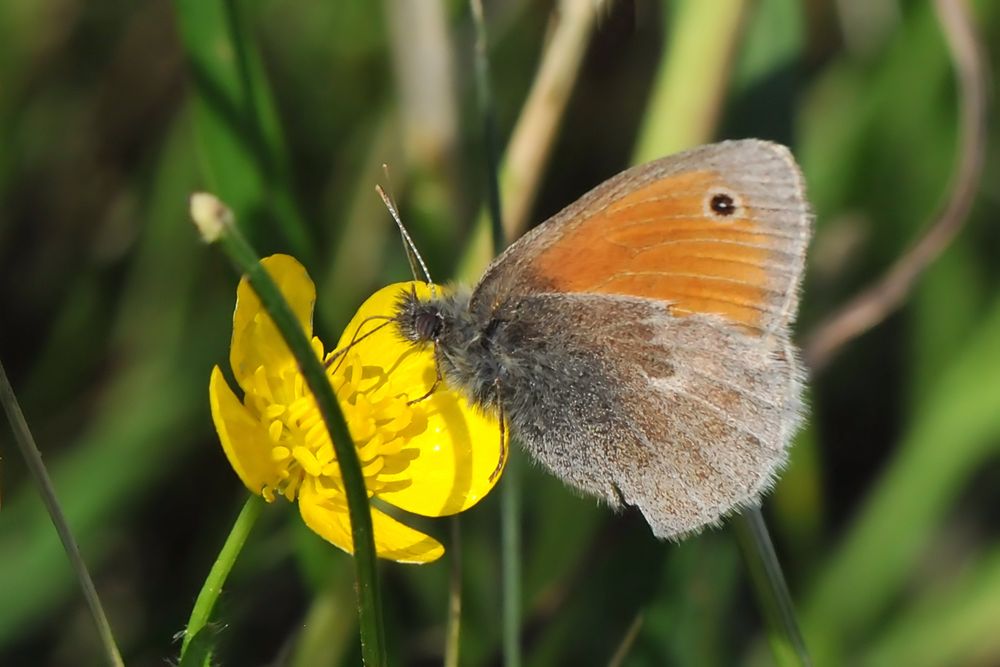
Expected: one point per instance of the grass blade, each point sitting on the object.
(33, 457)
(769, 584)
(239, 136)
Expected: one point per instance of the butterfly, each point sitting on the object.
(638, 343)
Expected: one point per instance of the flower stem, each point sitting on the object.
(216, 224)
(203, 605)
(453, 629)
(33, 457)
(772, 592)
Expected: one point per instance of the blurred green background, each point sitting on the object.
(112, 314)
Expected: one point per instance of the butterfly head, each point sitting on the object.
(419, 320)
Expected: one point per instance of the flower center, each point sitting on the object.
(300, 445)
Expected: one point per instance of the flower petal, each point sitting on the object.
(328, 518)
(383, 302)
(451, 452)
(256, 341)
(244, 439)
(456, 456)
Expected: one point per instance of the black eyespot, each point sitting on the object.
(723, 204)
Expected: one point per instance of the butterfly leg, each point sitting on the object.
(503, 434)
(437, 380)
(340, 355)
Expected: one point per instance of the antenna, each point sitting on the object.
(412, 253)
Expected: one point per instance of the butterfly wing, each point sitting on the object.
(645, 332)
(686, 418)
(720, 229)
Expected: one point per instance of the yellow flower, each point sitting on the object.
(433, 457)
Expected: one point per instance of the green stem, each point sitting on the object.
(510, 491)
(246, 261)
(33, 457)
(453, 630)
(203, 605)
(772, 592)
(510, 534)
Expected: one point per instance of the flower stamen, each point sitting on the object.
(307, 460)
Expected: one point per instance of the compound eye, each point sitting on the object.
(427, 325)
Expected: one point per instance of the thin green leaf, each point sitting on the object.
(240, 141)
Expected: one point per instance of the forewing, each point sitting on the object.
(720, 230)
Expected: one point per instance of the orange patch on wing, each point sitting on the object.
(661, 242)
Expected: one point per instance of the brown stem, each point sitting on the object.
(876, 302)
